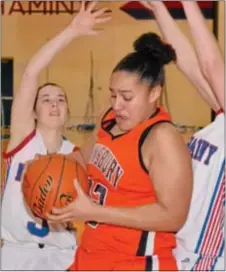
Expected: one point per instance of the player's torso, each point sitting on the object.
(203, 232)
(18, 224)
(118, 179)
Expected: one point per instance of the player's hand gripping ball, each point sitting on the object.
(49, 182)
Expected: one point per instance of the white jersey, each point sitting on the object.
(18, 225)
(200, 243)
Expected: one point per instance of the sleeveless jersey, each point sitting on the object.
(200, 243)
(18, 226)
(118, 178)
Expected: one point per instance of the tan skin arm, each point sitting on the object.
(170, 169)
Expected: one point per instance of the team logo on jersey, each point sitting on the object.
(202, 150)
(44, 190)
(106, 162)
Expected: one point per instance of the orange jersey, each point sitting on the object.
(118, 178)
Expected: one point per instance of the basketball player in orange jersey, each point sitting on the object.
(139, 172)
(38, 119)
(201, 245)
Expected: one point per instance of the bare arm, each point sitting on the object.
(208, 51)
(22, 121)
(171, 174)
(25, 97)
(187, 61)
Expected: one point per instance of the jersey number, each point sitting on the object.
(98, 192)
(40, 230)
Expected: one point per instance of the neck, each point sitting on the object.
(52, 138)
(152, 112)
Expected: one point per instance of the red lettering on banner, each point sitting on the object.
(3, 8)
(16, 7)
(34, 6)
(66, 7)
(39, 7)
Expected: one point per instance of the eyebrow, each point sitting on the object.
(47, 95)
(121, 91)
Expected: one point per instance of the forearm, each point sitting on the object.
(152, 217)
(44, 56)
(174, 36)
(208, 50)
(209, 54)
(187, 60)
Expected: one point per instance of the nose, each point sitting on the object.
(54, 103)
(117, 104)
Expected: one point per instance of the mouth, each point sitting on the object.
(120, 118)
(54, 114)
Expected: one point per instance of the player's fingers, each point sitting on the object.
(78, 188)
(66, 209)
(101, 12)
(58, 218)
(91, 6)
(103, 20)
(68, 220)
(82, 5)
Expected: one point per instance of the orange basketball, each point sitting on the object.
(49, 182)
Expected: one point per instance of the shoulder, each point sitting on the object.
(163, 140)
(15, 147)
(162, 134)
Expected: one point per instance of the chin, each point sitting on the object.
(124, 128)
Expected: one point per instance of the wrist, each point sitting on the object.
(97, 213)
(71, 32)
(157, 5)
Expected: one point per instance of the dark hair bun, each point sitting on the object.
(151, 45)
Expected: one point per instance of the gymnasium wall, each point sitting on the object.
(22, 36)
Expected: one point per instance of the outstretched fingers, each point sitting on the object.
(103, 20)
(91, 6)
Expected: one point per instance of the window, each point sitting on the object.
(6, 91)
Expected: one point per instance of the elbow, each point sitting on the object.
(172, 224)
(177, 225)
(29, 74)
(32, 70)
(177, 221)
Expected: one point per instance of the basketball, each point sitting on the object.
(49, 182)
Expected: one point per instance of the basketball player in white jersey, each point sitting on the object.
(201, 243)
(37, 122)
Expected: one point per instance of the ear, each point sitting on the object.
(155, 94)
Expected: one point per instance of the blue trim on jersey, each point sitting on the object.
(199, 244)
(220, 255)
(20, 171)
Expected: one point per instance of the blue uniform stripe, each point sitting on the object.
(201, 237)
